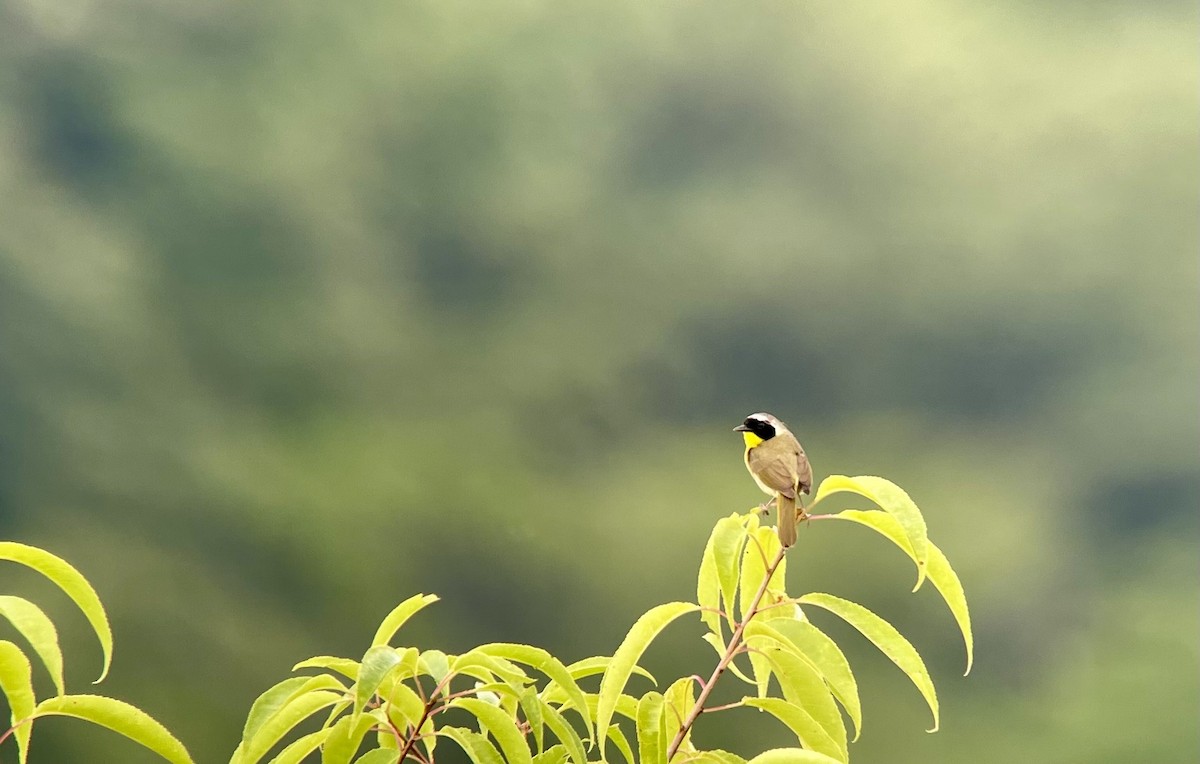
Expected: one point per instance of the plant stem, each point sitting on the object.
(395, 731)
(408, 745)
(13, 729)
(735, 645)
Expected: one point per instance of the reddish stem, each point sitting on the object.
(13, 729)
(735, 646)
(408, 745)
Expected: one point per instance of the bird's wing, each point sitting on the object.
(775, 470)
(803, 472)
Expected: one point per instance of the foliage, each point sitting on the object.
(527, 707)
(16, 671)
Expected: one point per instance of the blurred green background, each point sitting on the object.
(306, 307)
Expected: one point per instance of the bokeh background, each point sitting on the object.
(306, 307)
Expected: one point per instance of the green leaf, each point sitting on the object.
(598, 664)
(767, 539)
(761, 549)
(718, 577)
(807, 730)
(344, 666)
(618, 737)
(801, 682)
(886, 638)
(405, 709)
(772, 604)
(626, 705)
(545, 663)
(407, 669)
(435, 663)
(708, 588)
(828, 659)
(476, 746)
(791, 756)
(410, 659)
(346, 737)
(336, 710)
(269, 702)
(404, 699)
(497, 674)
(891, 499)
(386, 739)
(119, 717)
(532, 708)
(295, 752)
(379, 756)
(401, 613)
(754, 567)
(36, 627)
(429, 738)
(716, 756)
(803, 686)
(565, 733)
(377, 663)
(652, 729)
(502, 699)
(278, 724)
(16, 682)
(502, 727)
(276, 697)
(73, 583)
(643, 632)
(944, 579)
(678, 702)
(553, 755)
(760, 667)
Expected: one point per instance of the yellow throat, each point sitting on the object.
(751, 439)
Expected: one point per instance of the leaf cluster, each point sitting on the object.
(505, 703)
(16, 670)
(527, 705)
(517, 704)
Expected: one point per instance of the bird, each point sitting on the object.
(777, 462)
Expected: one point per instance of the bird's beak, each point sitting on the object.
(741, 428)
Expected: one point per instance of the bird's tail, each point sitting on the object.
(787, 519)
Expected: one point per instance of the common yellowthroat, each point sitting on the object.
(777, 462)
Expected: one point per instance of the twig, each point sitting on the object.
(416, 754)
(420, 688)
(454, 696)
(394, 729)
(735, 645)
(408, 745)
(13, 729)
